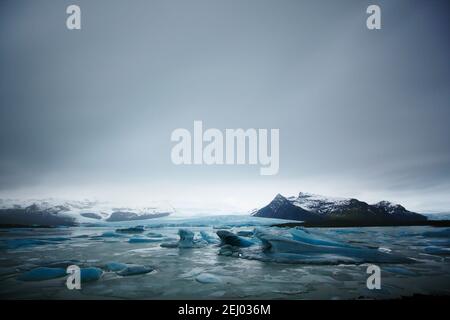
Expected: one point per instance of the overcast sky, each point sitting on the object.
(361, 113)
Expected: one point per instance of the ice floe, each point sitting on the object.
(300, 246)
(132, 270)
(90, 274)
(144, 240)
(208, 278)
(42, 273)
(114, 266)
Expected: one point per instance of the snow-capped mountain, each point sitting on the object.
(51, 212)
(315, 208)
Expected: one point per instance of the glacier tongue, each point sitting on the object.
(56, 212)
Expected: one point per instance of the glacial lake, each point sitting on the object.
(278, 263)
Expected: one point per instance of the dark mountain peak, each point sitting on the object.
(311, 207)
(283, 208)
(278, 202)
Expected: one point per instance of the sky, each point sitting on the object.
(362, 113)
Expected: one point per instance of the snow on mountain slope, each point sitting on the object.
(311, 207)
(317, 203)
(63, 212)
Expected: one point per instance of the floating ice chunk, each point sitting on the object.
(245, 233)
(143, 240)
(275, 245)
(305, 236)
(186, 241)
(42, 273)
(386, 250)
(208, 238)
(186, 238)
(136, 229)
(230, 238)
(115, 266)
(154, 235)
(218, 294)
(169, 245)
(227, 250)
(132, 270)
(90, 274)
(208, 278)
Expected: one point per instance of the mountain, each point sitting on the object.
(283, 208)
(51, 212)
(312, 208)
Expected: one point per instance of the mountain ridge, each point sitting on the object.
(312, 208)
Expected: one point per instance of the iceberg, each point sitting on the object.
(230, 238)
(169, 245)
(154, 235)
(132, 270)
(90, 274)
(208, 238)
(143, 240)
(245, 233)
(186, 238)
(114, 266)
(208, 278)
(309, 249)
(186, 241)
(303, 235)
(42, 273)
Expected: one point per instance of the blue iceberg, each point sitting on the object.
(230, 238)
(186, 241)
(312, 249)
(90, 274)
(132, 270)
(114, 266)
(42, 273)
(208, 238)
